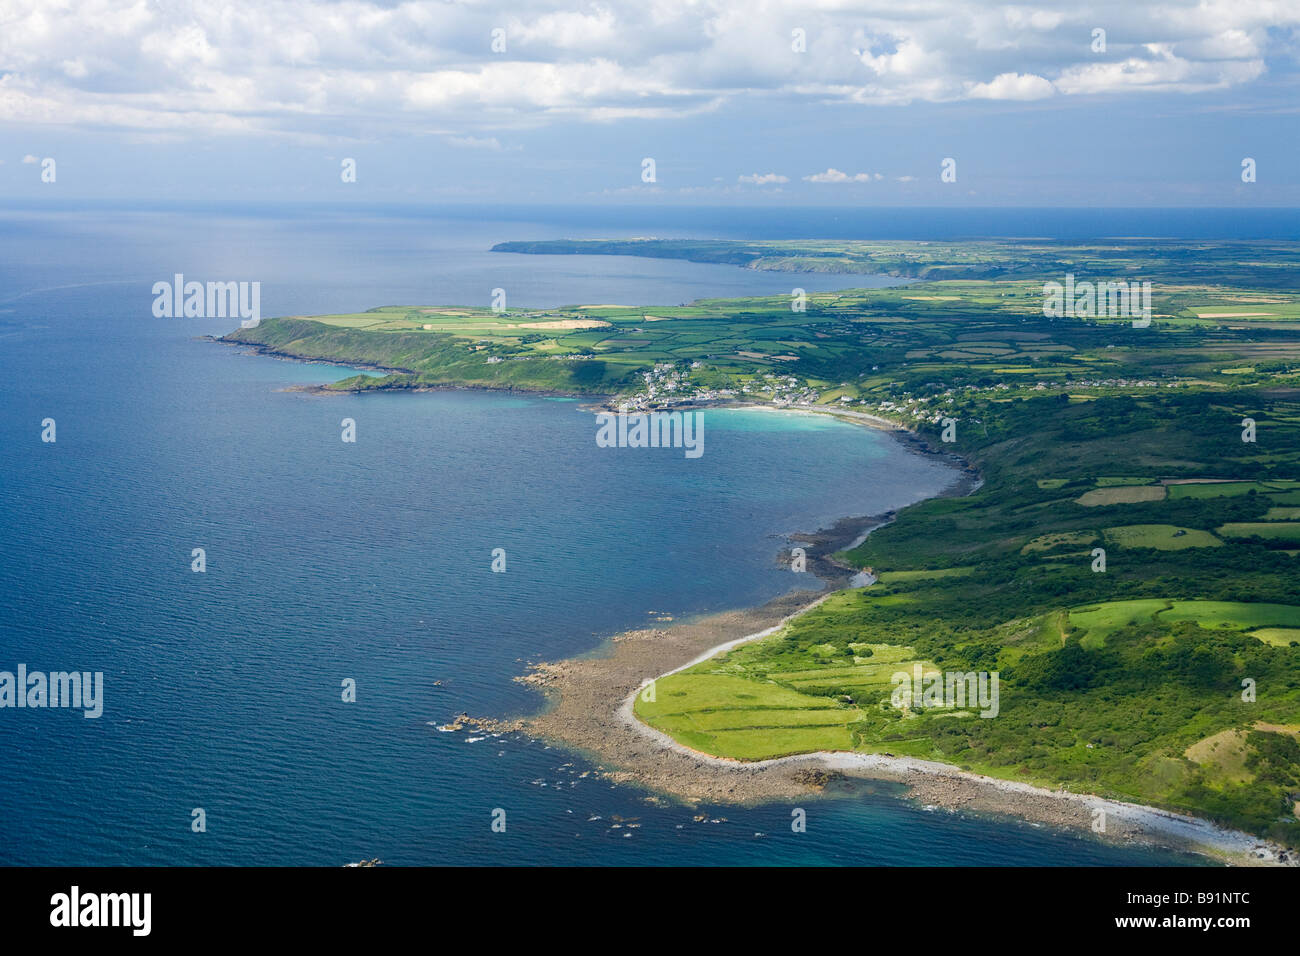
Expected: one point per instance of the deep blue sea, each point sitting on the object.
(371, 561)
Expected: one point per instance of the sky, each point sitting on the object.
(748, 102)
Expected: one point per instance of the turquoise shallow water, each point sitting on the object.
(329, 561)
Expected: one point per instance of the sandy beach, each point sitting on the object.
(590, 709)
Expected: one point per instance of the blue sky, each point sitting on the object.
(204, 100)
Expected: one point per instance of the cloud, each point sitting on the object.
(475, 142)
(29, 158)
(833, 175)
(1012, 86)
(1159, 70)
(364, 68)
(763, 179)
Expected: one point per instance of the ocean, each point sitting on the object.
(371, 562)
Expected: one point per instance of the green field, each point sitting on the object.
(1121, 494)
(1163, 537)
(731, 717)
(1101, 620)
(1269, 530)
(1233, 614)
(1216, 489)
(1053, 542)
(1279, 636)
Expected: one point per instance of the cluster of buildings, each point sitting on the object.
(782, 390)
(668, 384)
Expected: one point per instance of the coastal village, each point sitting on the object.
(667, 385)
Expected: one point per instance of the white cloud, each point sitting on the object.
(1012, 86)
(1161, 70)
(475, 142)
(29, 158)
(833, 175)
(763, 179)
(592, 32)
(355, 68)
